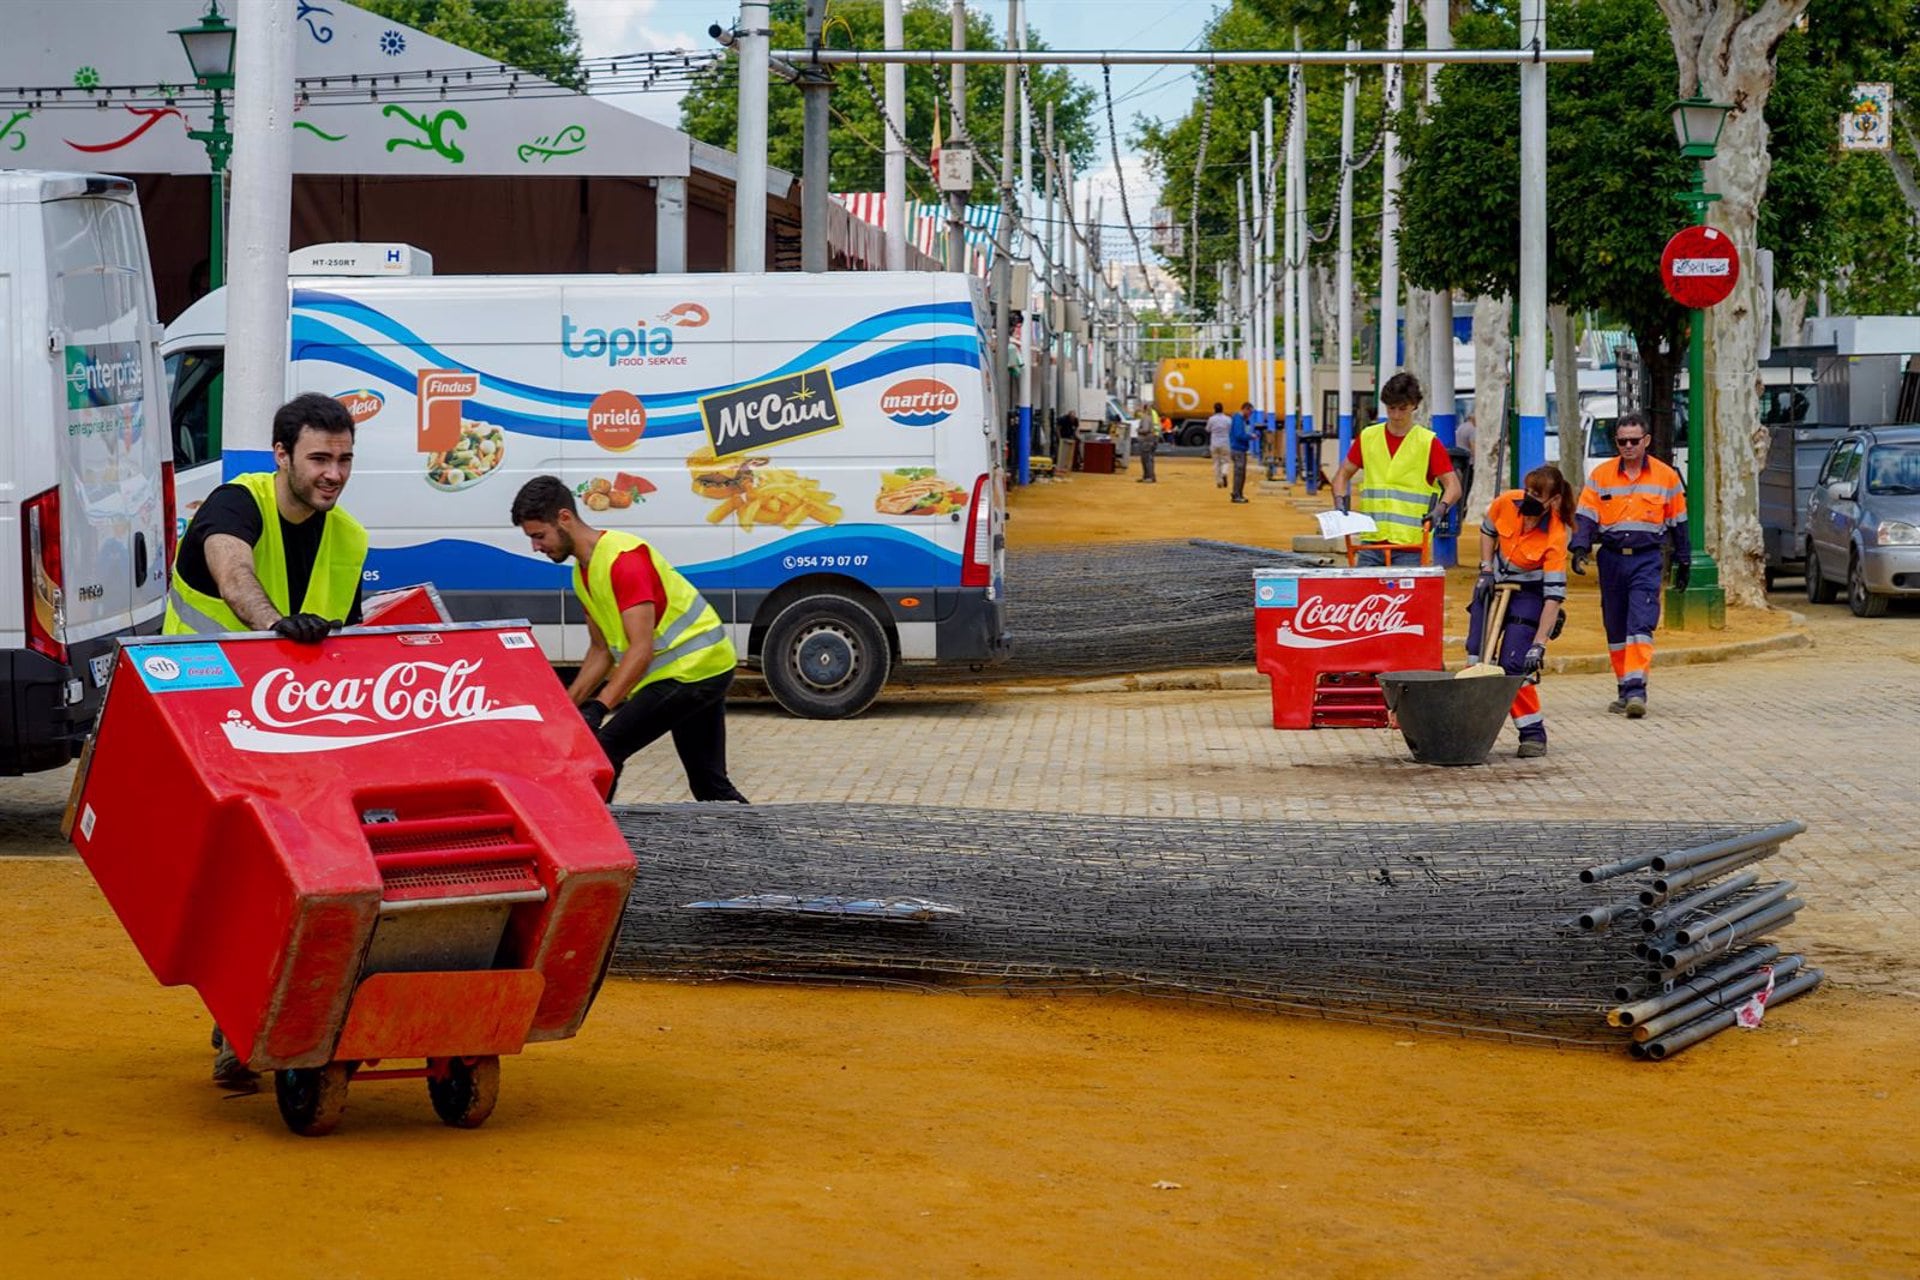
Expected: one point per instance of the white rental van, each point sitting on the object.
(85, 480)
(816, 452)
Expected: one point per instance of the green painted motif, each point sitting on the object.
(317, 131)
(570, 141)
(433, 129)
(12, 134)
(86, 78)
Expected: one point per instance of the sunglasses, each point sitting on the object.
(1625, 441)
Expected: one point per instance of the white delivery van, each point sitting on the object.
(816, 452)
(85, 481)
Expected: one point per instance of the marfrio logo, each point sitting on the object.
(919, 402)
(161, 668)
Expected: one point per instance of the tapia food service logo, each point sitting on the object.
(919, 402)
(685, 315)
(287, 715)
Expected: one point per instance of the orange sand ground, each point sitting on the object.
(1081, 508)
(756, 1131)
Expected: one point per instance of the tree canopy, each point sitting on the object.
(535, 35)
(857, 130)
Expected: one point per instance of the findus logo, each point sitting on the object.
(919, 402)
(615, 346)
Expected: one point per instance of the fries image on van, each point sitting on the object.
(757, 494)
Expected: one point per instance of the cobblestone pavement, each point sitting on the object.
(1825, 735)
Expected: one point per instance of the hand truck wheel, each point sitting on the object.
(312, 1099)
(464, 1090)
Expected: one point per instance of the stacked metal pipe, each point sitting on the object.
(1465, 927)
(1124, 607)
(1695, 927)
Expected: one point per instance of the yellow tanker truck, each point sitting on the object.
(1187, 389)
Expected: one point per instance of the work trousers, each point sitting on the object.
(1517, 633)
(1147, 452)
(695, 713)
(1630, 610)
(1239, 473)
(1222, 458)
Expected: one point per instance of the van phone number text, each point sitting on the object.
(823, 562)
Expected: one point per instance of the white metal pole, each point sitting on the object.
(1530, 375)
(1018, 21)
(1281, 160)
(256, 380)
(750, 181)
(1343, 272)
(1440, 301)
(1243, 287)
(1257, 361)
(894, 36)
(1303, 258)
(1389, 324)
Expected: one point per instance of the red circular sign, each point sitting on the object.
(1699, 267)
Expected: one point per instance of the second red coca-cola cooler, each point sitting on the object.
(1322, 635)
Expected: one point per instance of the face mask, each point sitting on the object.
(1532, 506)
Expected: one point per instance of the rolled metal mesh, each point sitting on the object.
(1470, 927)
(1134, 606)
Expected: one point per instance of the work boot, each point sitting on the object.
(1243, 499)
(1532, 747)
(228, 1071)
(1617, 706)
(1636, 708)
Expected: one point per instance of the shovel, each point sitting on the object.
(1495, 620)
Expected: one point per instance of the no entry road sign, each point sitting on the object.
(1700, 267)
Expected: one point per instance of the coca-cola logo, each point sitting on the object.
(1320, 623)
(288, 714)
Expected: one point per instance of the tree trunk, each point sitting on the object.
(1727, 47)
(1566, 395)
(1662, 371)
(1791, 308)
(1416, 361)
(1492, 363)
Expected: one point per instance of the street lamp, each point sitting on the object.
(209, 47)
(1697, 121)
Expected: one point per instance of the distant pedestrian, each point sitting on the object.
(1403, 468)
(1632, 505)
(1240, 441)
(1146, 443)
(1219, 444)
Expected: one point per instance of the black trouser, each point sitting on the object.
(695, 713)
(1146, 460)
(1239, 472)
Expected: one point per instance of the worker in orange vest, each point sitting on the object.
(1633, 505)
(1523, 540)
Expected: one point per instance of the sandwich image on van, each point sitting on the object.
(756, 449)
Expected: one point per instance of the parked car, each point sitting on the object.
(1863, 520)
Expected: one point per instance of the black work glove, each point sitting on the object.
(1535, 660)
(1342, 502)
(594, 712)
(303, 628)
(1682, 573)
(1581, 559)
(1436, 518)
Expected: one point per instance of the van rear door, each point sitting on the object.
(113, 434)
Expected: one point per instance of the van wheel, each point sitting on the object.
(1864, 603)
(1819, 590)
(825, 658)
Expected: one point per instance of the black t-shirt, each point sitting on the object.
(231, 510)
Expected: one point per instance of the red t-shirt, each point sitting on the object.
(1438, 461)
(635, 583)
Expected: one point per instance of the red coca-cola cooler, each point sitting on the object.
(392, 845)
(1321, 635)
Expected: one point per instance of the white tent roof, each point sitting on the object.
(381, 128)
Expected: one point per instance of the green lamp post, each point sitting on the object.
(209, 46)
(1697, 122)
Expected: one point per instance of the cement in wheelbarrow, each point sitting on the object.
(1448, 721)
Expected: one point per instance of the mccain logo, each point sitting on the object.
(773, 412)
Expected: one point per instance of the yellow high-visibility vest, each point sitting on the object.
(1394, 488)
(689, 640)
(331, 586)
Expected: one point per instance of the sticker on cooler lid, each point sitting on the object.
(1276, 593)
(515, 640)
(87, 818)
(1405, 584)
(178, 668)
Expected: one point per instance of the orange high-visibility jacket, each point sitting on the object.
(1536, 556)
(1638, 512)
